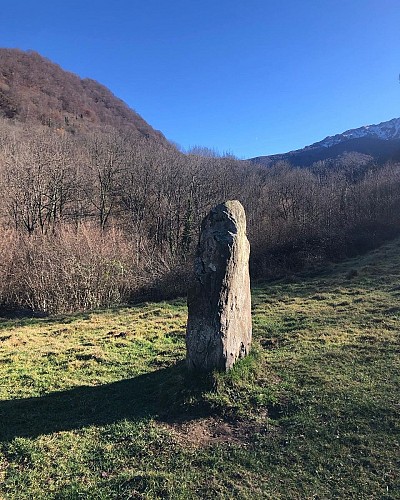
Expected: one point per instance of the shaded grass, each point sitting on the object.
(86, 400)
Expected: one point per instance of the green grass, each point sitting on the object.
(100, 406)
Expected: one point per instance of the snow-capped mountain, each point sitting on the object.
(385, 131)
(371, 143)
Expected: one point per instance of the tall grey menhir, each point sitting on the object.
(219, 303)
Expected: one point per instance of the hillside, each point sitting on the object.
(35, 90)
(374, 143)
(98, 405)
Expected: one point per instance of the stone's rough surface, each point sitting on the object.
(219, 303)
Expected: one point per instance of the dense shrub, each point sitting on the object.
(69, 270)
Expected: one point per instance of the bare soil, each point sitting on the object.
(209, 431)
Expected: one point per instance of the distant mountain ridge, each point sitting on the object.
(386, 131)
(36, 90)
(379, 142)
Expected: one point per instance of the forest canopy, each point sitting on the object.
(96, 219)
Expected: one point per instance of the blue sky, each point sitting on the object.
(247, 77)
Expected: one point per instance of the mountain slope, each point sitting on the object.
(35, 90)
(378, 143)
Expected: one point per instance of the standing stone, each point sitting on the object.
(219, 303)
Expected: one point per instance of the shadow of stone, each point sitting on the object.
(162, 395)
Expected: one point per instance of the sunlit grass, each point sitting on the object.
(43, 355)
(98, 405)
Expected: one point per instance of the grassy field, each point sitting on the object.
(99, 405)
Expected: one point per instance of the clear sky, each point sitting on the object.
(247, 77)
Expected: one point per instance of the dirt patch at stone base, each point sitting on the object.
(212, 430)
